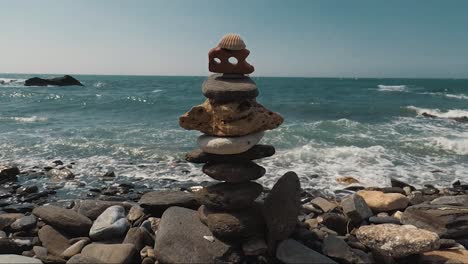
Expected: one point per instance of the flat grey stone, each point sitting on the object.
(223, 89)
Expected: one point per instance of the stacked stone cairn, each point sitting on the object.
(233, 123)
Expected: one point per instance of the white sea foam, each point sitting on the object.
(30, 119)
(391, 88)
(12, 82)
(157, 91)
(99, 84)
(438, 113)
(457, 145)
(457, 96)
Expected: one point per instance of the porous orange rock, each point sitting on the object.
(230, 119)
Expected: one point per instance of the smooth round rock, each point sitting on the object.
(234, 172)
(228, 145)
(235, 225)
(229, 196)
(112, 223)
(228, 89)
(256, 152)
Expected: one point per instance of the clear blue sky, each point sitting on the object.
(316, 38)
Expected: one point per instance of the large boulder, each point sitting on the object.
(66, 80)
(182, 238)
(55, 242)
(281, 208)
(448, 221)
(66, 220)
(156, 202)
(397, 240)
(111, 253)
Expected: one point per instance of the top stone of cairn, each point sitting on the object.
(230, 46)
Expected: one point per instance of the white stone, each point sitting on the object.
(112, 223)
(228, 145)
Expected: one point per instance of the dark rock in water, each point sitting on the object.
(55, 242)
(401, 184)
(336, 222)
(156, 202)
(66, 80)
(458, 200)
(19, 208)
(256, 152)
(229, 196)
(139, 237)
(182, 238)
(384, 220)
(92, 208)
(35, 196)
(24, 223)
(66, 220)
(393, 190)
(355, 208)
(60, 175)
(8, 246)
(291, 251)
(112, 253)
(337, 249)
(8, 174)
(234, 171)
(236, 225)
(447, 221)
(281, 208)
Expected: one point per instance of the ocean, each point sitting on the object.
(369, 129)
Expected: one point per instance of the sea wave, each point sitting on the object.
(454, 113)
(11, 82)
(30, 119)
(455, 96)
(456, 145)
(391, 88)
(99, 84)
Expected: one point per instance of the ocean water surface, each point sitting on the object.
(370, 129)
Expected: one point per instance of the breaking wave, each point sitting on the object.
(391, 88)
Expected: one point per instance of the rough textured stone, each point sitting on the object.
(235, 225)
(139, 237)
(75, 248)
(181, 239)
(66, 220)
(281, 208)
(111, 253)
(444, 256)
(356, 208)
(256, 152)
(234, 172)
(380, 202)
(291, 251)
(228, 145)
(93, 208)
(226, 89)
(337, 249)
(232, 119)
(157, 202)
(17, 259)
(323, 204)
(229, 196)
(55, 242)
(446, 220)
(224, 66)
(112, 223)
(397, 240)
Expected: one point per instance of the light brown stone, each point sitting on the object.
(444, 256)
(381, 202)
(230, 119)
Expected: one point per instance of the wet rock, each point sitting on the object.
(112, 253)
(65, 80)
(393, 190)
(60, 174)
(281, 208)
(75, 248)
(397, 240)
(347, 180)
(336, 222)
(291, 251)
(323, 204)
(380, 202)
(256, 152)
(18, 259)
(235, 225)
(19, 208)
(234, 172)
(229, 196)
(356, 208)
(55, 242)
(401, 184)
(112, 223)
(337, 249)
(444, 256)
(8, 174)
(447, 221)
(23, 223)
(66, 220)
(23, 190)
(175, 245)
(139, 237)
(156, 202)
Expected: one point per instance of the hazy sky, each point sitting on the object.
(368, 38)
